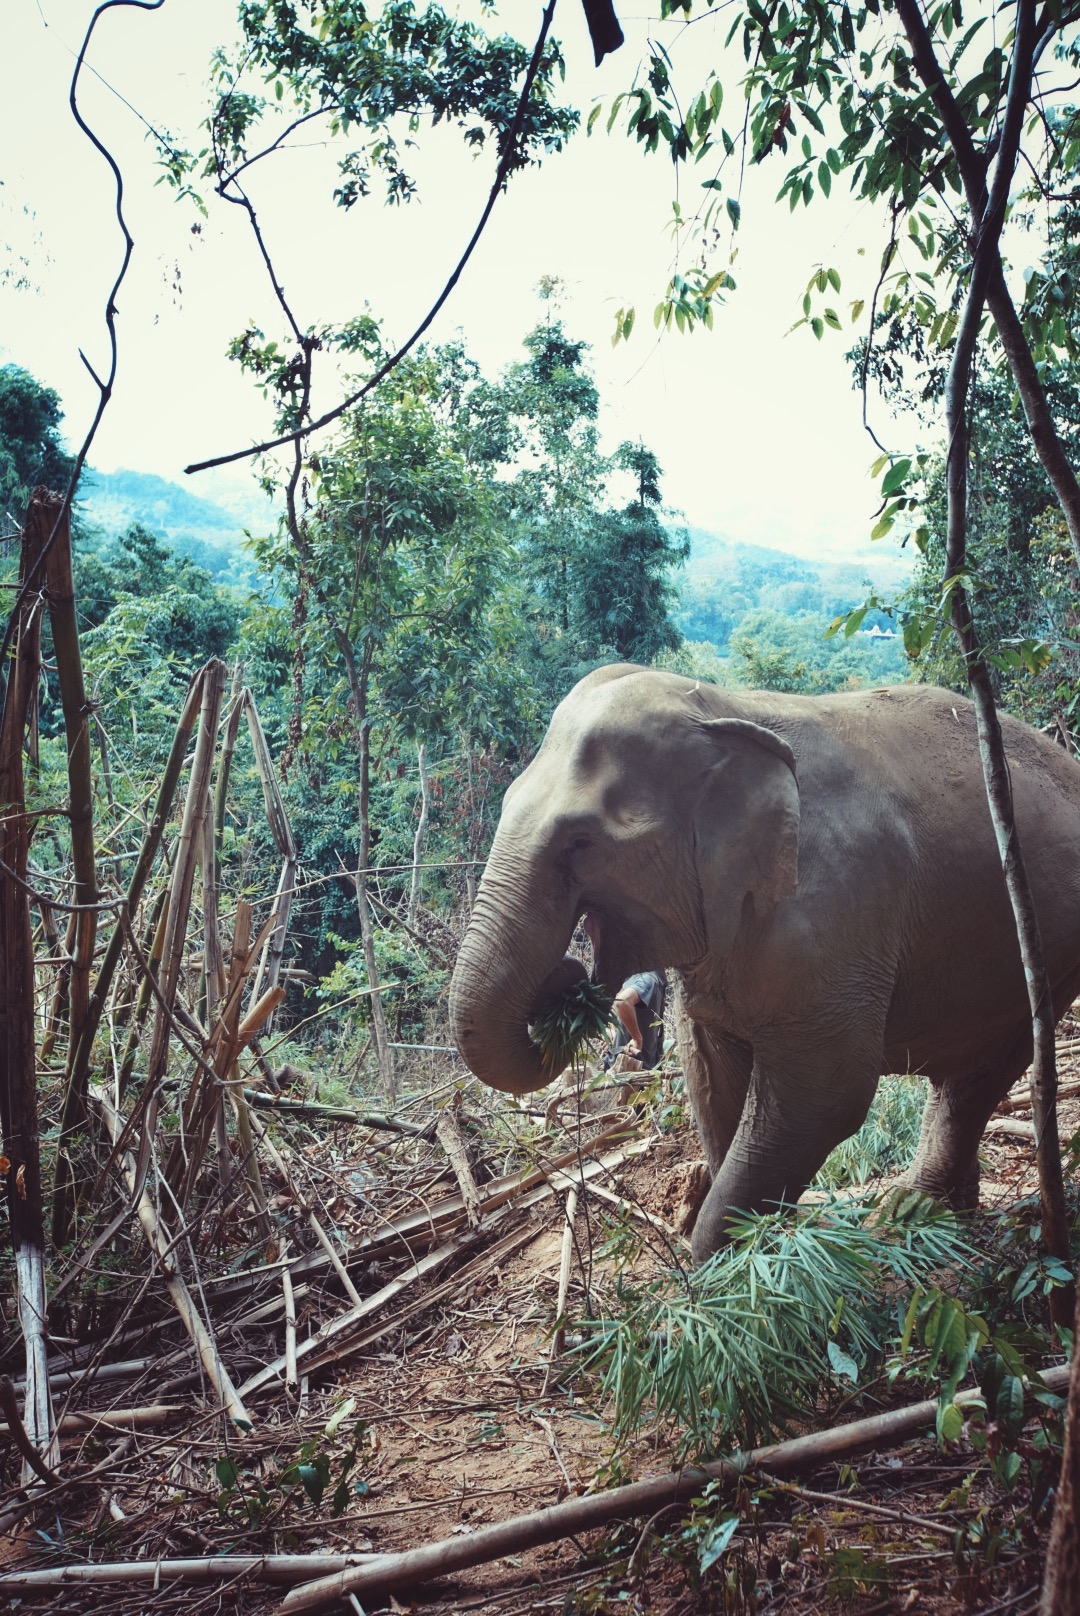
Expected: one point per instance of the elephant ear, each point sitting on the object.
(746, 827)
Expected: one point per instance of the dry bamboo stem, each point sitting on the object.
(269, 971)
(277, 1568)
(421, 833)
(121, 1419)
(213, 682)
(60, 590)
(74, 1100)
(18, 1088)
(565, 1256)
(162, 1245)
(292, 1379)
(450, 1137)
(389, 1572)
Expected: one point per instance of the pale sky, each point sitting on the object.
(759, 433)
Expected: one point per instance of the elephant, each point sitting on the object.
(821, 876)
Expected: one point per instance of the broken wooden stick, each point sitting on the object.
(448, 1131)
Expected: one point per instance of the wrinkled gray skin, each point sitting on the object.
(821, 873)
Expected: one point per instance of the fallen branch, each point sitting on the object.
(448, 1130)
(389, 1572)
(332, 1113)
(1022, 1102)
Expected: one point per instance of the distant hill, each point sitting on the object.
(724, 580)
(209, 530)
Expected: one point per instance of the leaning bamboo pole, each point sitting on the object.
(213, 685)
(18, 1086)
(60, 594)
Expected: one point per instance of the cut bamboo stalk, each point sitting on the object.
(60, 593)
(565, 1256)
(421, 833)
(332, 1113)
(186, 1156)
(162, 1245)
(18, 1075)
(213, 682)
(155, 944)
(389, 1572)
(292, 1379)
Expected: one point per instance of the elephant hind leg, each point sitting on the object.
(946, 1163)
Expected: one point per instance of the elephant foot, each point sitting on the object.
(958, 1195)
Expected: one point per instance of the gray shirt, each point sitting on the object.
(651, 988)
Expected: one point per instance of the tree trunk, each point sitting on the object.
(380, 1033)
(988, 212)
(1061, 1588)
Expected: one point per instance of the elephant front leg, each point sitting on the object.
(787, 1129)
(717, 1068)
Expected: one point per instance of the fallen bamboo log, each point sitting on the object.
(1022, 1102)
(386, 1573)
(279, 1568)
(119, 1419)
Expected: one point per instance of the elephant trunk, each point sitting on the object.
(510, 965)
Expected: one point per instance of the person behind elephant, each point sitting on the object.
(639, 1005)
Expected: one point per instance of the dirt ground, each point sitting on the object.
(470, 1417)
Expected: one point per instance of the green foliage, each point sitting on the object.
(794, 1302)
(887, 1139)
(30, 448)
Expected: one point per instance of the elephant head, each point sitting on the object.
(653, 811)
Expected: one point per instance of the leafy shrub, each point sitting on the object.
(731, 1353)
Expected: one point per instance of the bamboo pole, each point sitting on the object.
(213, 684)
(60, 593)
(273, 1568)
(421, 832)
(18, 1087)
